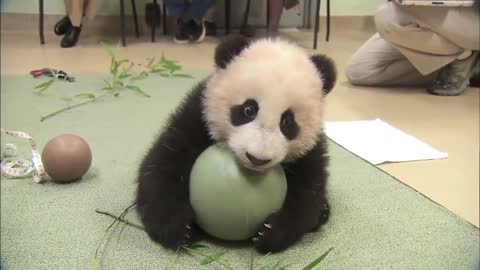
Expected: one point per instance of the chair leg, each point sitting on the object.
(164, 17)
(135, 19)
(122, 22)
(267, 24)
(227, 17)
(40, 20)
(328, 21)
(154, 26)
(317, 25)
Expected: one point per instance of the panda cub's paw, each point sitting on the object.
(178, 230)
(275, 234)
(175, 236)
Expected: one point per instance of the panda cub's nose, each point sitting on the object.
(256, 161)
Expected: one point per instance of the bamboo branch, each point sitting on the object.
(119, 218)
(43, 118)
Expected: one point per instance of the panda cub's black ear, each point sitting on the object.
(326, 68)
(229, 48)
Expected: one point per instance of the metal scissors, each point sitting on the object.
(54, 73)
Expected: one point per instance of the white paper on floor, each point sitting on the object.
(378, 142)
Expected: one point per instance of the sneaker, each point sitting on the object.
(181, 33)
(454, 78)
(197, 31)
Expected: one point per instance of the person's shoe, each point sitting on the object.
(453, 79)
(71, 37)
(197, 31)
(181, 33)
(62, 26)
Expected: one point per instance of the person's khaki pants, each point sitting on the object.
(413, 43)
(77, 8)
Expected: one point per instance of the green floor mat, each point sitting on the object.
(376, 221)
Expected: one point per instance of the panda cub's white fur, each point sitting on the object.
(279, 76)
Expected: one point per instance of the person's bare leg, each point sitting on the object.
(75, 11)
(275, 13)
(90, 9)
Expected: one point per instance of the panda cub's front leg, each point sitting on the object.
(305, 207)
(163, 192)
(291, 223)
(163, 204)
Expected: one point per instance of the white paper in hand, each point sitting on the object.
(378, 142)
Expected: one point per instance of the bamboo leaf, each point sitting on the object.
(264, 266)
(172, 66)
(150, 62)
(197, 245)
(125, 72)
(117, 84)
(115, 66)
(124, 76)
(86, 95)
(164, 60)
(183, 75)
(212, 258)
(120, 62)
(157, 70)
(277, 266)
(107, 48)
(44, 86)
(112, 62)
(137, 89)
(141, 75)
(313, 264)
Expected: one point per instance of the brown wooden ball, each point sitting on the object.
(66, 158)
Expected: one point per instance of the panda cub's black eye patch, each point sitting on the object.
(288, 126)
(244, 113)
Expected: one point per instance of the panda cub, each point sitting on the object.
(265, 103)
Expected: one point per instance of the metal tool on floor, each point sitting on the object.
(53, 73)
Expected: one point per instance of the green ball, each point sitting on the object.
(230, 201)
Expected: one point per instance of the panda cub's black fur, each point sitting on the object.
(163, 177)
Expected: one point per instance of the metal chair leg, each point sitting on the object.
(227, 17)
(135, 19)
(164, 17)
(317, 25)
(40, 20)
(153, 25)
(267, 24)
(122, 22)
(328, 21)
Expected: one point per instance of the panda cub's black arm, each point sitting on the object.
(163, 188)
(305, 207)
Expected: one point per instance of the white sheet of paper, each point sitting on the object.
(378, 142)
